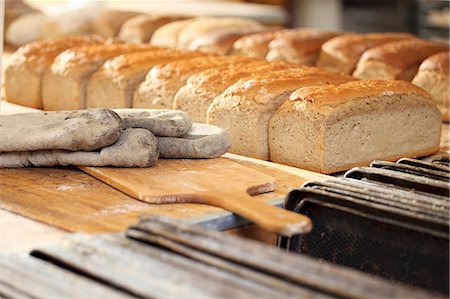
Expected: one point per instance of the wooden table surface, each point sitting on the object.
(19, 234)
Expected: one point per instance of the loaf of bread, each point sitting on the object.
(163, 81)
(245, 108)
(201, 88)
(254, 45)
(333, 128)
(397, 60)
(219, 41)
(23, 75)
(140, 29)
(202, 26)
(112, 86)
(108, 22)
(433, 77)
(167, 35)
(64, 84)
(299, 46)
(340, 54)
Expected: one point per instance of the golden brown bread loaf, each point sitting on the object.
(163, 81)
(433, 76)
(23, 75)
(254, 45)
(340, 54)
(219, 41)
(140, 29)
(202, 26)
(108, 22)
(64, 84)
(333, 128)
(396, 60)
(245, 108)
(201, 88)
(167, 35)
(112, 86)
(300, 46)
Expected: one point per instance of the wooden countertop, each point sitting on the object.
(19, 234)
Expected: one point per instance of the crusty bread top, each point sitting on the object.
(179, 69)
(220, 41)
(438, 62)
(263, 87)
(228, 74)
(316, 97)
(108, 22)
(404, 53)
(38, 55)
(303, 41)
(204, 25)
(353, 45)
(257, 42)
(129, 63)
(144, 25)
(167, 35)
(78, 56)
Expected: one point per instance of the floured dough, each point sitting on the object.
(84, 130)
(202, 141)
(160, 122)
(134, 148)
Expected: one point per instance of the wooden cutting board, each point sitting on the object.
(218, 182)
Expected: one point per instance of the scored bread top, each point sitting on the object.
(316, 97)
(38, 55)
(305, 41)
(404, 53)
(263, 87)
(129, 63)
(438, 62)
(353, 45)
(83, 55)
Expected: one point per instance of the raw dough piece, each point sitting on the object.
(135, 148)
(202, 141)
(171, 123)
(84, 130)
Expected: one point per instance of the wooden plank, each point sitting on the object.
(74, 201)
(149, 272)
(27, 277)
(301, 270)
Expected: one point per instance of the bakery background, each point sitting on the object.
(426, 18)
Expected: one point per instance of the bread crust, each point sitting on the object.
(108, 22)
(114, 83)
(298, 46)
(28, 64)
(201, 26)
(254, 45)
(140, 29)
(324, 97)
(341, 53)
(163, 81)
(64, 84)
(433, 76)
(167, 35)
(396, 60)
